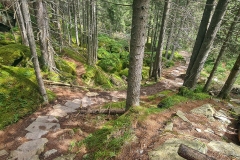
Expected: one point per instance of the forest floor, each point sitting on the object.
(150, 133)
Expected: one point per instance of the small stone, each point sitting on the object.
(79, 101)
(209, 130)
(66, 157)
(67, 116)
(235, 100)
(169, 127)
(221, 115)
(182, 116)
(198, 130)
(216, 100)
(49, 153)
(141, 151)
(92, 94)
(229, 105)
(3, 153)
(237, 110)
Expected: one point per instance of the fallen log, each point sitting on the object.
(63, 84)
(102, 111)
(192, 154)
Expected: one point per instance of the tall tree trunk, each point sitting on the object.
(46, 47)
(200, 37)
(172, 27)
(21, 25)
(92, 34)
(58, 25)
(194, 73)
(223, 48)
(231, 79)
(157, 69)
(75, 7)
(137, 44)
(32, 45)
(153, 43)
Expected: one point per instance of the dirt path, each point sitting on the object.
(70, 126)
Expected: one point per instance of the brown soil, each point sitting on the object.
(149, 133)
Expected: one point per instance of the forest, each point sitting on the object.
(138, 79)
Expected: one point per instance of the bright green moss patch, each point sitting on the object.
(73, 54)
(19, 94)
(14, 54)
(111, 105)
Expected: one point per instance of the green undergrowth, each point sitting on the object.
(19, 94)
(120, 104)
(107, 142)
(74, 54)
(96, 76)
(14, 55)
(183, 95)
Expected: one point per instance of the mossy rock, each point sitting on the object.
(14, 55)
(65, 66)
(111, 63)
(19, 94)
(117, 81)
(101, 78)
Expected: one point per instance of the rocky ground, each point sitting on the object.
(207, 126)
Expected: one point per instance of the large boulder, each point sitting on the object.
(168, 150)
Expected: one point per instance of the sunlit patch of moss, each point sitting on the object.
(101, 78)
(12, 53)
(145, 72)
(160, 94)
(74, 54)
(19, 94)
(171, 101)
(120, 104)
(195, 94)
(124, 72)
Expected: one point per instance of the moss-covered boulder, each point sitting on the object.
(14, 55)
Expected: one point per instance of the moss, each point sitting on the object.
(120, 104)
(145, 72)
(124, 72)
(102, 79)
(171, 101)
(19, 94)
(13, 52)
(111, 63)
(195, 94)
(74, 55)
(65, 66)
(117, 81)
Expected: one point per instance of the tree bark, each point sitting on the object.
(21, 25)
(223, 48)
(231, 79)
(137, 44)
(158, 59)
(192, 154)
(200, 37)
(76, 20)
(92, 33)
(47, 51)
(32, 45)
(197, 67)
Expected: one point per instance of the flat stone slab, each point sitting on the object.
(36, 135)
(228, 149)
(72, 105)
(47, 119)
(222, 116)
(168, 150)
(29, 150)
(206, 110)
(40, 126)
(49, 153)
(65, 109)
(66, 157)
(78, 101)
(181, 115)
(86, 102)
(3, 153)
